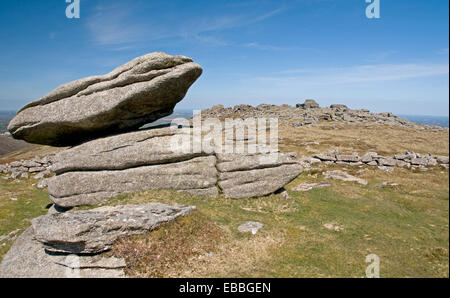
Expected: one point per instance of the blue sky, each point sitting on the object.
(252, 52)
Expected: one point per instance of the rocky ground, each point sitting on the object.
(310, 113)
(347, 209)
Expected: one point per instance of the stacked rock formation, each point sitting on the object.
(95, 171)
(100, 116)
(140, 91)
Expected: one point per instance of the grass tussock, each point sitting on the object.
(170, 247)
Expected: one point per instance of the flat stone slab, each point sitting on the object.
(123, 151)
(309, 186)
(343, 176)
(250, 226)
(27, 258)
(94, 231)
(258, 182)
(136, 93)
(197, 176)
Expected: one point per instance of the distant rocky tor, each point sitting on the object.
(136, 93)
(310, 113)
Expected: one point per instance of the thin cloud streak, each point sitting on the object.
(115, 25)
(357, 74)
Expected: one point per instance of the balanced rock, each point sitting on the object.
(138, 92)
(94, 231)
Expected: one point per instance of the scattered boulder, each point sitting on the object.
(138, 92)
(386, 169)
(326, 156)
(368, 157)
(309, 186)
(333, 227)
(387, 184)
(387, 161)
(443, 159)
(42, 184)
(343, 176)
(339, 107)
(94, 231)
(250, 226)
(417, 161)
(308, 104)
(348, 158)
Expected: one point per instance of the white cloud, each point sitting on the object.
(357, 74)
(116, 24)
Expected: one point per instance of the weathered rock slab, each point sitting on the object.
(242, 176)
(309, 186)
(94, 231)
(250, 226)
(119, 152)
(27, 258)
(344, 176)
(195, 176)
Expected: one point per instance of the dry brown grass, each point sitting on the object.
(168, 248)
(235, 257)
(348, 138)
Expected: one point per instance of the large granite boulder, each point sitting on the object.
(138, 92)
(94, 231)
